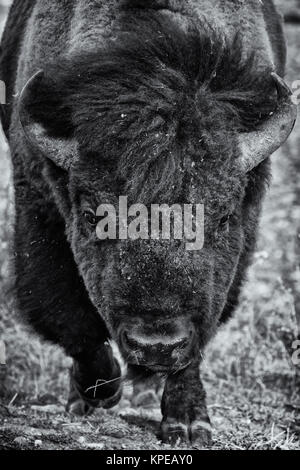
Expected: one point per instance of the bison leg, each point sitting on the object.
(53, 300)
(95, 381)
(184, 409)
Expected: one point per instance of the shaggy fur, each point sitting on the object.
(10, 49)
(183, 81)
(155, 98)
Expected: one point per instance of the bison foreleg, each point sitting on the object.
(95, 381)
(185, 416)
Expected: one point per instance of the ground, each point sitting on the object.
(252, 384)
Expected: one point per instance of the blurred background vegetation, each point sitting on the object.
(248, 369)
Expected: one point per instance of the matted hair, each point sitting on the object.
(153, 94)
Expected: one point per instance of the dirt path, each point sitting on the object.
(242, 419)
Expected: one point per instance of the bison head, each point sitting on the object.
(176, 118)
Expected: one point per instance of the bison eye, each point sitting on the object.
(90, 217)
(224, 222)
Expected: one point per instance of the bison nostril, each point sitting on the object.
(124, 338)
(181, 344)
(163, 343)
(184, 342)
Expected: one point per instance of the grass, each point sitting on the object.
(253, 386)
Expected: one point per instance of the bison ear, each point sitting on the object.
(256, 146)
(45, 122)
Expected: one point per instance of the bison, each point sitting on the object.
(164, 102)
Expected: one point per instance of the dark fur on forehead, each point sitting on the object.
(154, 97)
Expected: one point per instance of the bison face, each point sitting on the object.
(175, 125)
(160, 301)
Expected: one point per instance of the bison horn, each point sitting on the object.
(61, 151)
(258, 145)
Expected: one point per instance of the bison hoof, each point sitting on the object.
(79, 407)
(198, 433)
(112, 401)
(146, 399)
